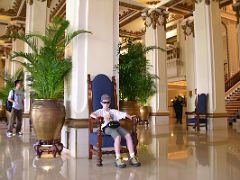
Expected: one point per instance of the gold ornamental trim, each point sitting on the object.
(76, 123)
(236, 8)
(30, 2)
(159, 114)
(207, 2)
(217, 115)
(155, 17)
(152, 2)
(188, 28)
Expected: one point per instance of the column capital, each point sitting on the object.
(155, 17)
(207, 2)
(13, 29)
(30, 2)
(236, 8)
(188, 28)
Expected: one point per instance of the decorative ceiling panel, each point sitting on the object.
(6, 4)
(125, 12)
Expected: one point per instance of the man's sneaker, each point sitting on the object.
(119, 163)
(19, 133)
(134, 162)
(9, 134)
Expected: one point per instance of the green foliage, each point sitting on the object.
(9, 84)
(135, 80)
(46, 64)
(148, 87)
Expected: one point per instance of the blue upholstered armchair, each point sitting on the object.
(200, 113)
(101, 84)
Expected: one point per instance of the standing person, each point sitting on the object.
(116, 133)
(16, 97)
(179, 109)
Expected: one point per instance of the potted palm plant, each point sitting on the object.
(133, 70)
(8, 86)
(148, 89)
(47, 67)
(129, 67)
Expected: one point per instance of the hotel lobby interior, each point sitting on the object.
(187, 123)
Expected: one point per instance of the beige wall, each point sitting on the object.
(232, 44)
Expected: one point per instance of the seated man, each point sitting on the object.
(116, 132)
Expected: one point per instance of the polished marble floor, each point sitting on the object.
(166, 153)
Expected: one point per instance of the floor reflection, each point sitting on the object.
(167, 153)
(47, 168)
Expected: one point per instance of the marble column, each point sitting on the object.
(92, 54)
(209, 62)
(7, 60)
(156, 36)
(36, 21)
(189, 48)
(17, 46)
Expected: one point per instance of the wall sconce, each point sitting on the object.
(154, 17)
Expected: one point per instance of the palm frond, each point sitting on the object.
(31, 42)
(135, 80)
(70, 36)
(46, 64)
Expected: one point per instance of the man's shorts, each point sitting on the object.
(116, 132)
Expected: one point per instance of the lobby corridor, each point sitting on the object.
(165, 153)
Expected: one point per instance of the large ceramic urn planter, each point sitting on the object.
(130, 107)
(144, 114)
(48, 117)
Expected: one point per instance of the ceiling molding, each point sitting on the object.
(126, 14)
(13, 11)
(224, 3)
(4, 24)
(173, 3)
(131, 6)
(16, 5)
(130, 19)
(30, 2)
(9, 12)
(19, 18)
(58, 8)
(126, 33)
(170, 28)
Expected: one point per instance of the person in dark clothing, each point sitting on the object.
(178, 107)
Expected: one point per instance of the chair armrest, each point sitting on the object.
(130, 124)
(92, 121)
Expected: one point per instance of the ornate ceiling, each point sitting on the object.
(130, 12)
(130, 21)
